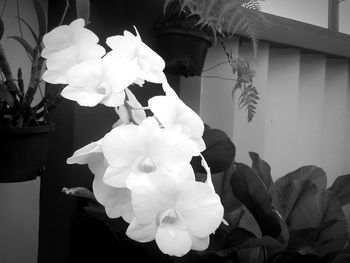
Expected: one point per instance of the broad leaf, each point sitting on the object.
(287, 190)
(262, 168)
(83, 10)
(346, 211)
(320, 209)
(341, 188)
(219, 153)
(251, 191)
(25, 44)
(302, 237)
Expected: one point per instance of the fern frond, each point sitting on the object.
(248, 100)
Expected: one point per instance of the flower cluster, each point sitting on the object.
(142, 166)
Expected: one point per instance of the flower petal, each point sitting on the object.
(201, 208)
(164, 108)
(125, 46)
(115, 177)
(173, 241)
(54, 77)
(121, 145)
(115, 99)
(200, 244)
(57, 39)
(141, 233)
(119, 73)
(83, 155)
(82, 97)
(83, 35)
(86, 75)
(153, 193)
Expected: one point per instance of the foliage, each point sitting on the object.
(292, 219)
(220, 19)
(249, 94)
(224, 17)
(16, 101)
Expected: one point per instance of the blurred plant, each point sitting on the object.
(16, 101)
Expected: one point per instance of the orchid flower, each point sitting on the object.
(100, 81)
(117, 201)
(66, 46)
(64, 36)
(132, 151)
(176, 211)
(131, 47)
(174, 113)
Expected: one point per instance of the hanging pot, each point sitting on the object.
(183, 50)
(23, 152)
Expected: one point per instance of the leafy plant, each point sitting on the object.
(220, 19)
(224, 17)
(249, 94)
(292, 219)
(16, 101)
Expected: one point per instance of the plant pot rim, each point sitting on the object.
(183, 31)
(46, 128)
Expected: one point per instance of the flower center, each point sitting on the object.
(147, 165)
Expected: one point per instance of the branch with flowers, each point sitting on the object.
(172, 180)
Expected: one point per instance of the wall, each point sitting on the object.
(19, 202)
(302, 115)
(309, 11)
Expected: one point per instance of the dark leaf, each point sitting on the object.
(251, 191)
(262, 169)
(287, 190)
(25, 44)
(83, 10)
(6, 96)
(294, 257)
(341, 188)
(302, 237)
(40, 14)
(320, 209)
(219, 153)
(346, 211)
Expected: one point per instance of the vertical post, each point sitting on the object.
(333, 14)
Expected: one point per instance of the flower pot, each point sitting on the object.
(23, 152)
(183, 50)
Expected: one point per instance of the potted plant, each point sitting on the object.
(24, 130)
(190, 27)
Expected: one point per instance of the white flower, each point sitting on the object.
(117, 201)
(130, 46)
(176, 211)
(135, 150)
(64, 36)
(66, 46)
(173, 113)
(100, 81)
(59, 63)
